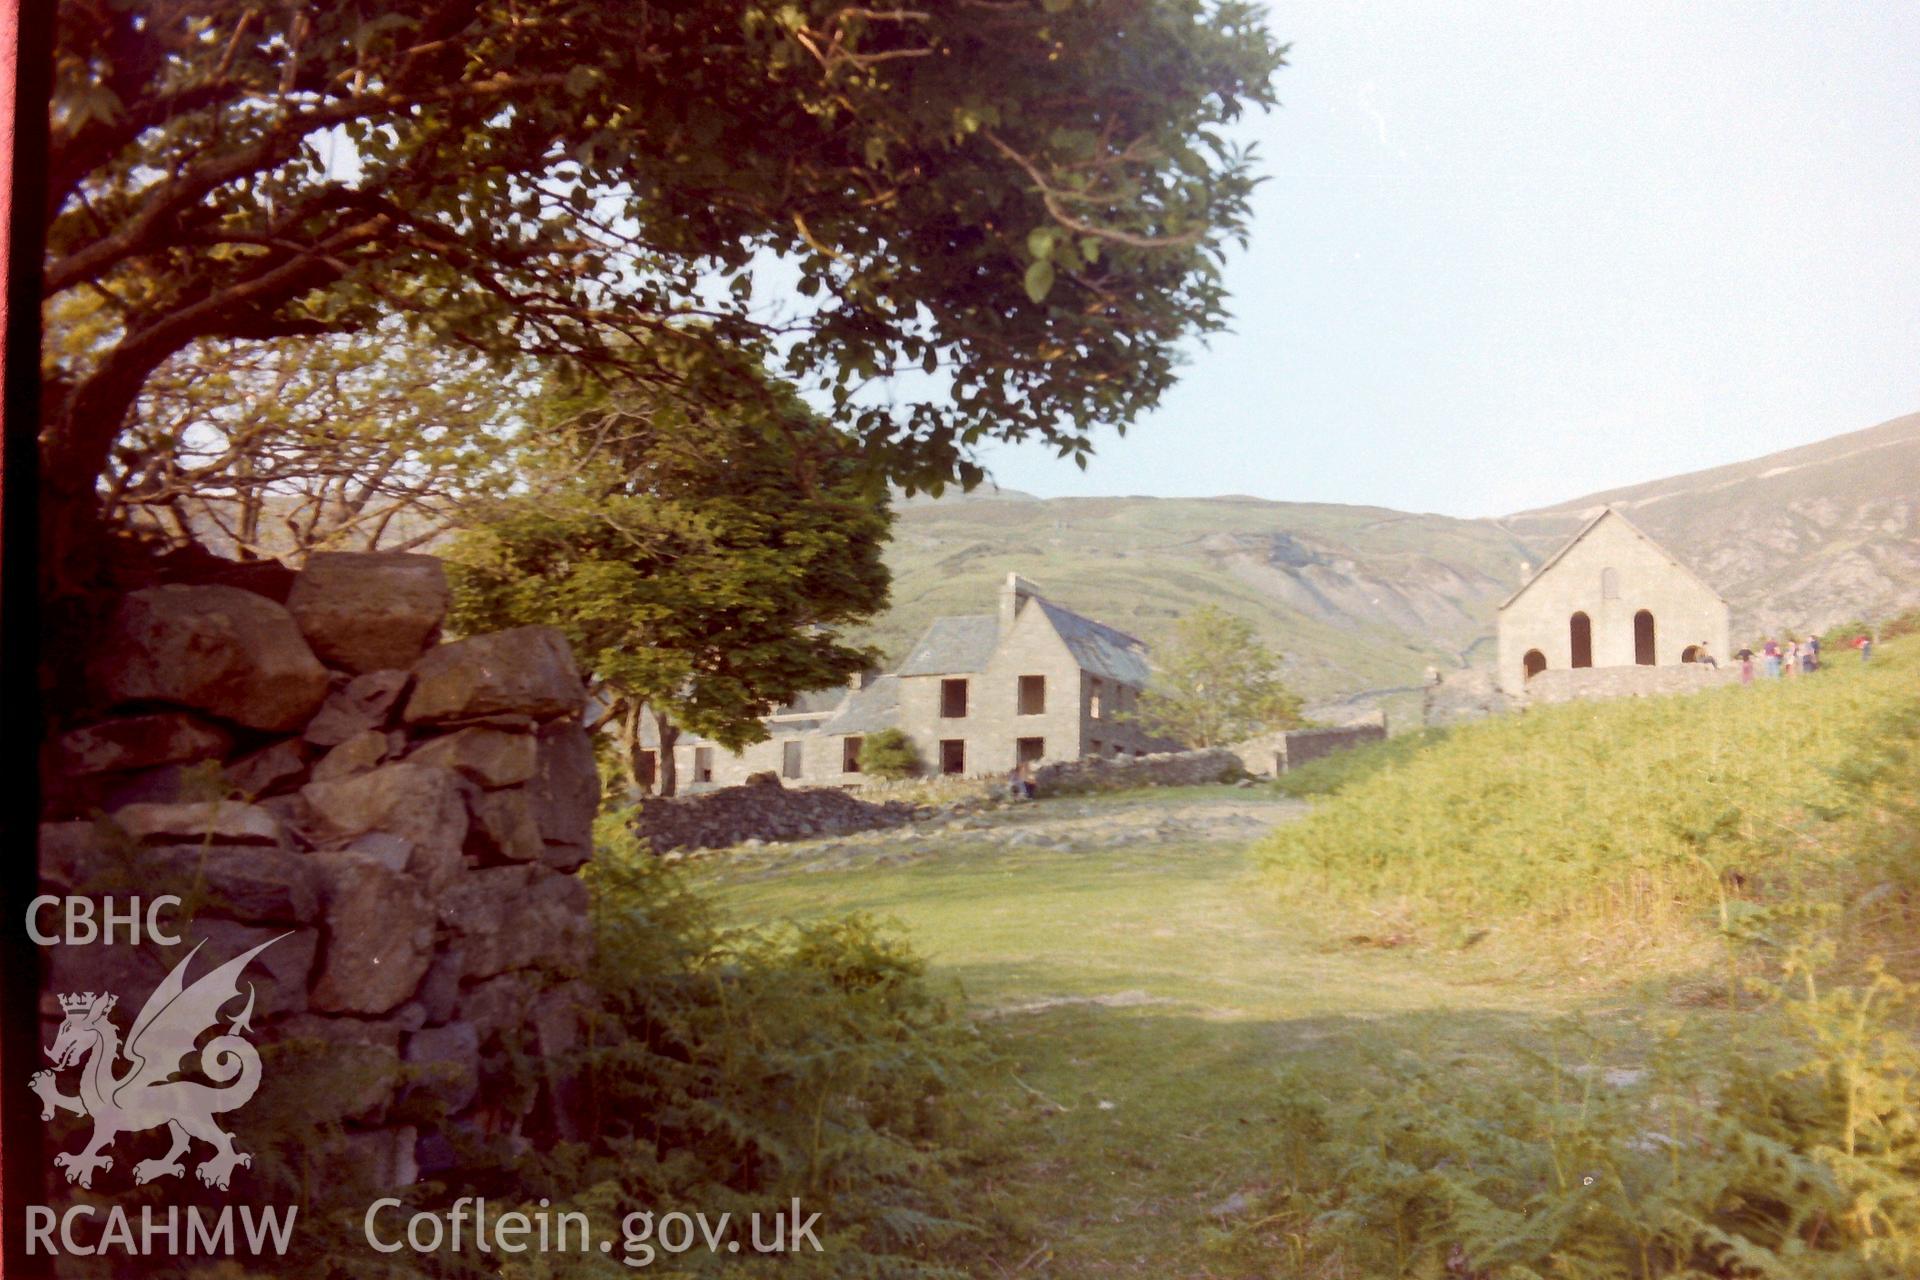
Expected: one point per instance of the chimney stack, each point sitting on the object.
(1013, 597)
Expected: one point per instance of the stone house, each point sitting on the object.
(1031, 681)
(1612, 597)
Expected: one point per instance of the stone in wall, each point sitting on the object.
(1119, 773)
(368, 611)
(219, 650)
(527, 671)
(1593, 684)
(399, 821)
(759, 810)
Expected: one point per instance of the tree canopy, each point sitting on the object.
(699, 560)
(1019, 203)
(1217, 684)
(355, 442)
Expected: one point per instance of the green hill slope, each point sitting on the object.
(1362, 599)
(1356, 598)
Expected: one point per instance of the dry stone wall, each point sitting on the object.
(760, 810)
(1120, 773)
(1588, 684)
(402, 818)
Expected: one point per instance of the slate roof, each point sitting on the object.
(816, 702)
(1097, 647)
(869, 710)
(954, 646)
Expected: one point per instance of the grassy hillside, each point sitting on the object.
(1601, 830)
(1362, 599)
(1356, 598)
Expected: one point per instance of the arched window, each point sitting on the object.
(1690, 654)
(1534, 663)
(1609, 584)
(1644, 652)
(1580, 632)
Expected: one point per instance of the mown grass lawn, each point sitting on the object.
(1157, 1010)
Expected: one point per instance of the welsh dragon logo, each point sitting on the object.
(144, 1095)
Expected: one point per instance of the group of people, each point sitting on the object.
(1795, 657)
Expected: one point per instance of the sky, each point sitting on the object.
(1506, 260)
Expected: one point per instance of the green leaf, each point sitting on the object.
(1039, 280)
(1040, 243)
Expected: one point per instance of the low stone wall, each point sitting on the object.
(1589, 684)
(1277, 753)
(1461, 697)
(395, 819)
(1120, 773)
(763, 810)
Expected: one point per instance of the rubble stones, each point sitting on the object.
(357, 755)
(379, 936)
(732, 815)
(364, 702)
(491, 757)
(415, 802)
(227, 821)
(526, 671)
(565, 791)
(141, 742)
(517, 916)
(364, 611)
(504, 828)
(271, 769)
(221, 650)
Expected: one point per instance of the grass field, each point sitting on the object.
(1370, 1041)
(1159, 1013)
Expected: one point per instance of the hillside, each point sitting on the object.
(1362, 599)
(1798, 540)
(1357, 598)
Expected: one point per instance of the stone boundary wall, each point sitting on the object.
(1120, 773)
(1588, 684)
(1299, 746)
(400, 819)
(760, 809)
(1278, 753)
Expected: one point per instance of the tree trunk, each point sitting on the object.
(669, 734)
(629, 737)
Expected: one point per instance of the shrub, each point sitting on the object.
(1785, 1148)
(1623, 819)
(889, 754)
(737, 1071)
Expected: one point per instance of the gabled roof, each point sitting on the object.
(954, 646)
(869, 710)
(1097, 647)
(1589, 527)
(815, 702)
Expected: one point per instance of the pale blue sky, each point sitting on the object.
(1510, 258)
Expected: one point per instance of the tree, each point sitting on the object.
(347, 443)
(1217, 684)
(700, 560)
(889, 754)
(1022, 203)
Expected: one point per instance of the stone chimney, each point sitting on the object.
(1013, 598)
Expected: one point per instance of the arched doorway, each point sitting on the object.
(1644, 653)
(1580, 631)
(1534, 663)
